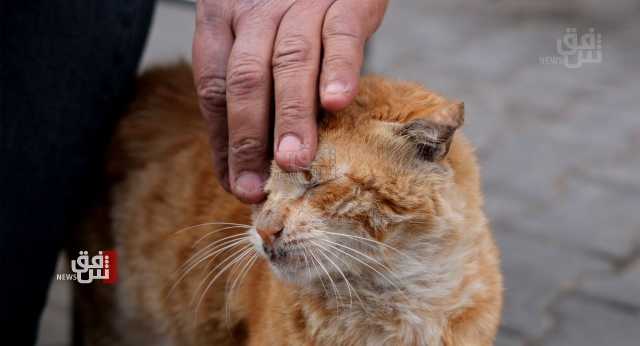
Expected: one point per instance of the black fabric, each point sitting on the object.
(66, 71)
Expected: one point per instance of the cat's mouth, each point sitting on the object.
(299, 259)
(290, 259)
(291, 252)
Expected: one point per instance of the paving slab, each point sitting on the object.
(536, 274)
(504, 339)
(622, 289)
(583, 322)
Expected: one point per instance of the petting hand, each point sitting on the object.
(251, 54)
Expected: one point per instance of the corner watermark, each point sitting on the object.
(85, 269)
(574, 50)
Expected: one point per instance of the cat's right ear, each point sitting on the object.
(432, 134)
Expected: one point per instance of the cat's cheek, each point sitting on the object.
(257, 243)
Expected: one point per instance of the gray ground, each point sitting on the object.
(559, 149)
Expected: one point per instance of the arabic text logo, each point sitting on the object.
(102, 266)
(575, 50)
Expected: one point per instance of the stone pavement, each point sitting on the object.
(559, 149)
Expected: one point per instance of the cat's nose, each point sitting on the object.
(269, 235)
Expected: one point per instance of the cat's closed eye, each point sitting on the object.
(314, 185)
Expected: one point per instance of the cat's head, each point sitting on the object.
(385, 180)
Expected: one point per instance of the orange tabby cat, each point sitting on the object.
(382, 241)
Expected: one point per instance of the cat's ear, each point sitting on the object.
(432, 134)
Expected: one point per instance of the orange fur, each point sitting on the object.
(368, 180)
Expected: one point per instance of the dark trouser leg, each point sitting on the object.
(66, 69)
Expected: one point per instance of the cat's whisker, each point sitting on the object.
(236, 274)
(373, 241)
(195, 244)
(338, 269)
(315, 266)
(213, 248)
(239, 278)
(229, 265)
(209, 245)
(212, 245)
(219, 250)
(359, 253)
(321, 274)
(235, 258)
(415, 222)
(395, 285)
(223, 262)
(306, 262)
(209, 224)
(333, 284)
(194, 265)
(218, 247)
(349, 285)
(355, 291)
(251, 261)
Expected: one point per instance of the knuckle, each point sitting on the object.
(210, 12)
(340, 61)
(247, 149)
(245, 76)
(339, 28)
(291, 52)
(211, 91)
(293, 110)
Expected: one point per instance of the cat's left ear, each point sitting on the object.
(432, 134)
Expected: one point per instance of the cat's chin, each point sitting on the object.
(293, 273)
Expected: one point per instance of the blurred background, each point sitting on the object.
(559, 147)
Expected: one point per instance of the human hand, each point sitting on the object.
(250, 54)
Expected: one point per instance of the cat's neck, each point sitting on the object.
(412, 299)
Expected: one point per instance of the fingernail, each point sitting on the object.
(290, 144)
(292, 153)
(249, 182)
(335, 87)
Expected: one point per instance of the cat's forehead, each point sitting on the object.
(363, 139)
(384, 100)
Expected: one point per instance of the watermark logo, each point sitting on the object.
(575, 50)
(85, 269)
(324, 164)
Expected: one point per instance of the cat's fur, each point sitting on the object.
(389, 169)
